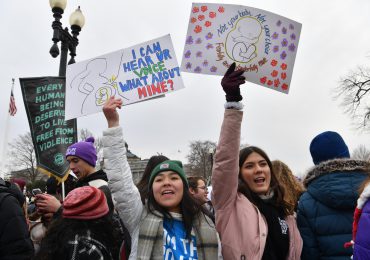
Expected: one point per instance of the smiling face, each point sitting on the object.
(79, 167)
(168, 190)
(256, 173)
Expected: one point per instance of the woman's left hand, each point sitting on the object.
(110, 111)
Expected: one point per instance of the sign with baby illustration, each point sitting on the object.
(261, 43)
(135, 74)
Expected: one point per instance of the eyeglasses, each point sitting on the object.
(203, 188)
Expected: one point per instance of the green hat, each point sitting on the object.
(169, 165)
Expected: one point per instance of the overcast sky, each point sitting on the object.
(334, 40)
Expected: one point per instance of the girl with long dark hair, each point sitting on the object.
(171, 225)
(251, 215)
(143, 184)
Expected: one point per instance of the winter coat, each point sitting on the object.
(128, 201)
(325, 210)
(99, 180)
(242, 228)
(151, 237)
(15, 242)
(361, 250)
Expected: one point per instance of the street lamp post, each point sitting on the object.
(68, 41)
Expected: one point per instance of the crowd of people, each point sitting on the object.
(258, 208)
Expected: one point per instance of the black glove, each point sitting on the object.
(231, 83)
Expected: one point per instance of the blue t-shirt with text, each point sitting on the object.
(175, 244)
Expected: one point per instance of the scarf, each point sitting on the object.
(277, 241)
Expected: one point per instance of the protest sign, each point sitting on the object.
(134, 74)
(261, 43)
(51, 135)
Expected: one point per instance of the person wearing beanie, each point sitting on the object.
(85, 230)
(142, 185)
(327, 146)
(82, 157)
(325, 210)
(169, 212)
(251, 216)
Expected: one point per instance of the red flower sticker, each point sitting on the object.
(193, 20)
(198, 29)
(212, 14)
(204, 8)
(269, 82)
(284, 66)
(276, 83)
(201, 17)
(284, 86)
(263, 80)
(274, 63)
(274, 73)
(207, 24)
(195, 10)
(221, 9)
(283, 75)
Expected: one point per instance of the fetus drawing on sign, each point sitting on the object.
(242, 39)
(93, 83)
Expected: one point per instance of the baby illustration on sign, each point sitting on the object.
(93, 82)
(241, 40)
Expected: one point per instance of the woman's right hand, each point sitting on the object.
(110, 111)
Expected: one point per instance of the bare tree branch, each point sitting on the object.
(361, 153)
(22, 157)
(200, 158)
(354, 91)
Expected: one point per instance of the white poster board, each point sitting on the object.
(135, 74)
(261, 43)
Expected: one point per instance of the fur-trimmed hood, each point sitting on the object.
(335, 183)
(336, 165)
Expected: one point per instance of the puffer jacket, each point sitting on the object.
(15, 242)
(135, 215)
(325, 210)
(126, 195)
(99, 180)
(242, 227)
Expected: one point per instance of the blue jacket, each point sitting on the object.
(325, 210)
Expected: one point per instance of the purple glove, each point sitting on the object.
(231, 83)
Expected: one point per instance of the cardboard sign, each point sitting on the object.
(261, 43)
(138, 73)
(51, 135)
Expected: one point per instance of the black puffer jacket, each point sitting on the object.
(15, 242)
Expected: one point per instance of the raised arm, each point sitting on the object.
(124, 191)
(226, 166)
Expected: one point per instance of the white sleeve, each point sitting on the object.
(125, 193)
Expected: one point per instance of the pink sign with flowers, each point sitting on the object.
(261, 43)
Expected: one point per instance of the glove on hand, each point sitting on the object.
(231, 83)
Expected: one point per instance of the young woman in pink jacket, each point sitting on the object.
(251, 216)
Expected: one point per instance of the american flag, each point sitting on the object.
(12, 106)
